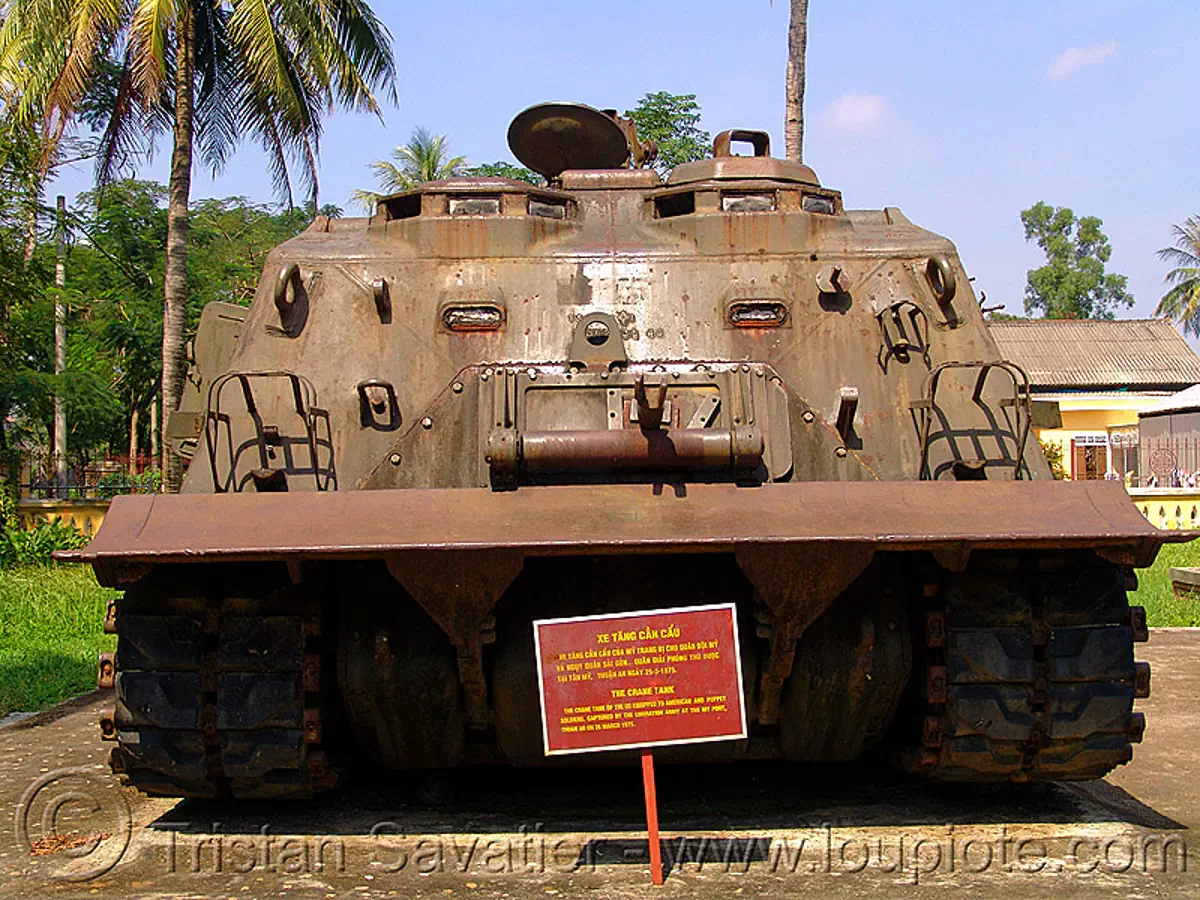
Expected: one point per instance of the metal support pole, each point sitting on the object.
(60, 349)
(656, 870)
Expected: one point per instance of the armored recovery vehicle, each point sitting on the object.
(492, 402)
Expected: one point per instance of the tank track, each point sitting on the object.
(1027, 671)
(1023, 670)
(218, 694)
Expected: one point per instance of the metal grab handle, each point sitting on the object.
(760, 140)
(381, 413)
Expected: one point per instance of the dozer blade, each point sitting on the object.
(955, 517)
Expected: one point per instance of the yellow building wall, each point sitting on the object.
(1169, 508)
(1091, 414)
(1097, 419)
(86, 515)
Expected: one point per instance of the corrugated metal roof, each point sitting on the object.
(1097, 353)
(1185, 400)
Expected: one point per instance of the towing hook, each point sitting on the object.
(649, 414)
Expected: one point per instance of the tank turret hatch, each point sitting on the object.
(725, 166)
(551, 138)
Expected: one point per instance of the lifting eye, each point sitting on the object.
(942, 280)
(597, 333)
(473, 317)
(291, 300)
(757, 314)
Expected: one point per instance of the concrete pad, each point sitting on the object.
(751, 830)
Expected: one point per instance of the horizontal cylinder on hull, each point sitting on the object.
(659, 449)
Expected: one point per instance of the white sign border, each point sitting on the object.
(737, 653)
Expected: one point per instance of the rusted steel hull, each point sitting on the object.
(492, 403)
(572, 519)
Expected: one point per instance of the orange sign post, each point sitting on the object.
(656, 872)
(640, 680)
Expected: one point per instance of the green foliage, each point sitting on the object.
(1054, 456)
(267, 70)
(673, 120)
(230, 240)
(117, 483)
(426, 157)
(34, 547)
(1073, 284)
(23, 346)
(263, 70)
(501, 169)
(112, 485)
(51, 628)
(117, 241)
(1182, 301)
(8, 502)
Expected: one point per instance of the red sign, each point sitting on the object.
(643, 679)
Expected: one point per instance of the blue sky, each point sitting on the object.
(962, 114)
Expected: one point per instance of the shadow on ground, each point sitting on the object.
(706, 799)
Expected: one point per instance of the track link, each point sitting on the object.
(1027, 672)
(219, 693)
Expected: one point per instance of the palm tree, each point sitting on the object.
(423, 158)
(1182, 301)
(793, 125)
(211, 73)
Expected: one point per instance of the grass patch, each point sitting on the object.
(1154, 587)
(51, 628)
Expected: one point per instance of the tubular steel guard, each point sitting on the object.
(615, 518)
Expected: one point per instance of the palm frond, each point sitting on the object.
(350, 48)
(265, 69)
(392, 178)
(93, 24)
(1186, 252)
(254, 32)
(130, 131)
(1182, 301)
(219, 88)
(423, 158)
(151, 29)
(365, 199)
(259, 115)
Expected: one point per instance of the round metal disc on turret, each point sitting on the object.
(553, 137)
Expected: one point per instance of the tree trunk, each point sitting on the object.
(154, 433)
(31, 234)
(793, 125)
(133, 443)
(175, 276)
(60, 350)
